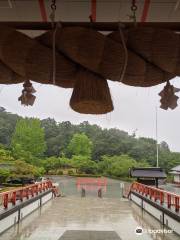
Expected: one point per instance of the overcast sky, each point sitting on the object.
(135, 108)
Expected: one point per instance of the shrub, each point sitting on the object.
(52, 172)
(59, 172)
(70, 172)
(4, 174)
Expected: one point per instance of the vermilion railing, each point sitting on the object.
(20, 194)
(92, 181)
(164, 198)
(91, 184)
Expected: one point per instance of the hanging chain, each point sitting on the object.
(53, 5)
(125, 52)
(54, 27)
(53, 15)
(133, 10)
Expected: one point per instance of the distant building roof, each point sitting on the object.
(147, 173)
(176, 169)
(175, 172)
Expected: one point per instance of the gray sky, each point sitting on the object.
(134, 109)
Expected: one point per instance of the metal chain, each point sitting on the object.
(134, 10)
(54, 27)
(53, 5)
(52, 15)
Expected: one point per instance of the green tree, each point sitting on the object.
(83, 164)
(4, 174)
(81, 145)
(55, 163)
(110, 142)
(28, 138)
(7, 126)
(22, 169)
(117, 165)
(5, 155)
(51, 163)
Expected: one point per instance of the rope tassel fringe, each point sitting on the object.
(27, 98)
(168, 97)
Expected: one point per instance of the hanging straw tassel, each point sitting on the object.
(27, 98)
(91, 94)
(168, 97)
(139, 72)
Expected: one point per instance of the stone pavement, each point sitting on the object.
(90, 216)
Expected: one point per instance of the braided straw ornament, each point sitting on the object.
(91, 94)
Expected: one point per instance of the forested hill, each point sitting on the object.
(109, 142)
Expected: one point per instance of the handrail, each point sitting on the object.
(154, 188)
(91, 181)
(21, 188)
(25, 192)
(167, 199)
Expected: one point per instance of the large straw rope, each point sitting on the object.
(92, 50)
(158, 46)
(7, 76)
(46, 40)
(32, 60)
(140, 72)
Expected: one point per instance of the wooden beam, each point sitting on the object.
(42, 9)
(100, 26)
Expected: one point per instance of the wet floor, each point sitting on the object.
(73, 217)
(175, 188)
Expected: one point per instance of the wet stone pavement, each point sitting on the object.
(89, 218)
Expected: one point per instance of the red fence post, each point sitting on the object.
(13, 199)
(5, 200)
(21, 195)
(177, 204)
(161, 198)
(169, 200)
(155, 195)
(150, 193)
(32, 191)
(36, 189)
(40, 187)
(27, 193)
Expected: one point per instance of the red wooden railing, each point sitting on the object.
(92, 181)
(167, 199)
(20, 194)
(91, 184)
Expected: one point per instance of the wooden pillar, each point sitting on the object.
(156, 182)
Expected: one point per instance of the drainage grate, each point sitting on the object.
(89, 235)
